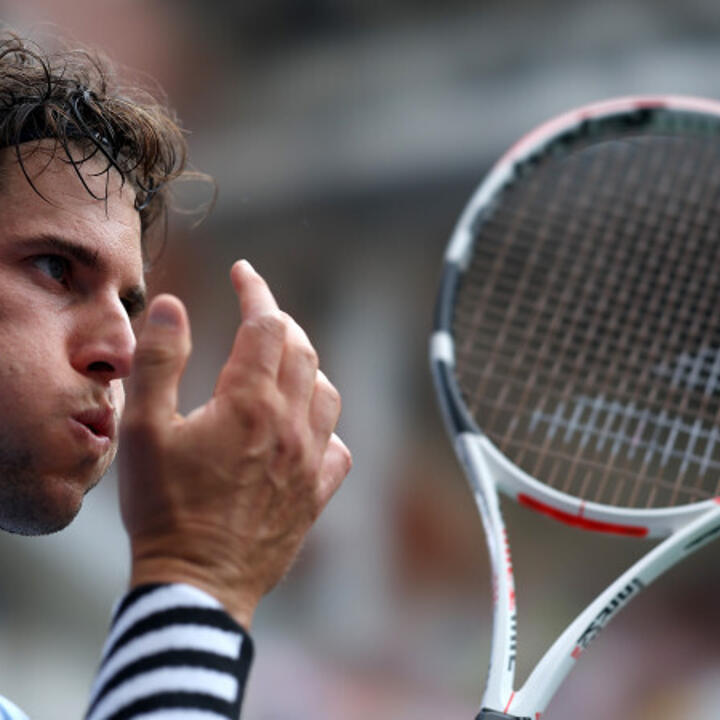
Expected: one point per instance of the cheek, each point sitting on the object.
(30, 363)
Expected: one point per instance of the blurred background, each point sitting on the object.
(345, 137)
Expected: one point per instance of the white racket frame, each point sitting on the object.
(487, 470)
(686, 528)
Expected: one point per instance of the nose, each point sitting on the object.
(103, 343)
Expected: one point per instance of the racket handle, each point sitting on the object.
(486, 714)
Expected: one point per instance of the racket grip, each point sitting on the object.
(486, 714)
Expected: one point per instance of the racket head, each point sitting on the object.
(575, 333)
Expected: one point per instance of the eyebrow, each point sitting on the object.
(134, 299)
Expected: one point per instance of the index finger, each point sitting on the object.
(253, 292)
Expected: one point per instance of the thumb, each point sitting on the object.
(162, 350)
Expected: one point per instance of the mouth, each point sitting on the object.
(99, 421)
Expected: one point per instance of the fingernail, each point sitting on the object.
(164, 314)
(247, 265)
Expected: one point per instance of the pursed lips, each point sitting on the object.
(99, 420)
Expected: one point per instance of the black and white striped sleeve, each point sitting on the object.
(173, 653)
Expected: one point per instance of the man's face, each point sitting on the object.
(71, 274)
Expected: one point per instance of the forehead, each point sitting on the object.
(59, 204)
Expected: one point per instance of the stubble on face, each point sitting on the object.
(41, 488)
(35, 502)
(23, 511)
(44, 472)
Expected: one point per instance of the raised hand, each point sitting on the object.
(222, 498)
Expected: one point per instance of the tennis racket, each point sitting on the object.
(576, 351)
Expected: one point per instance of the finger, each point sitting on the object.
(256, 352)
(253, 292)
(160, 356)
(324, 407)
(298, 368)
(337, 463)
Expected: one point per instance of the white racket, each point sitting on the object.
(576, 351)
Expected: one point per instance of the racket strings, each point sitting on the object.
(641, 470)
(619, 286)
(578, 296)
(564, 324)
(586, 343)
(513, 303)
(617, 486)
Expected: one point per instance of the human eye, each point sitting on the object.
(134, 303)
(56, 267)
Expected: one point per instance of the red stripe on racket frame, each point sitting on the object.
(579, 521)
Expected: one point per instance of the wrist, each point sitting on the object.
(240, 604)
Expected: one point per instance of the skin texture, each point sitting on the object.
(65, 335)
(220, 499)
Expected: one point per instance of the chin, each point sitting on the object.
(37, 498)
(43, 508)
(38, 517)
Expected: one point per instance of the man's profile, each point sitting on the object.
(215, 504)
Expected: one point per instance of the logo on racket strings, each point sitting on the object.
(604, 616)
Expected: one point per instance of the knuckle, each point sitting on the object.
(256, 414)
(327, 405)
(307, 354)
(272, 323)
(330, 394)
(256, 429)
(342, 453)
(291, 444)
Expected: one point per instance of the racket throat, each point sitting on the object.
(486, 714)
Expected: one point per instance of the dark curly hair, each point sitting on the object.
(73, 98)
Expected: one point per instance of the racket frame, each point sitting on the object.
(475, 452)
(686, 528)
